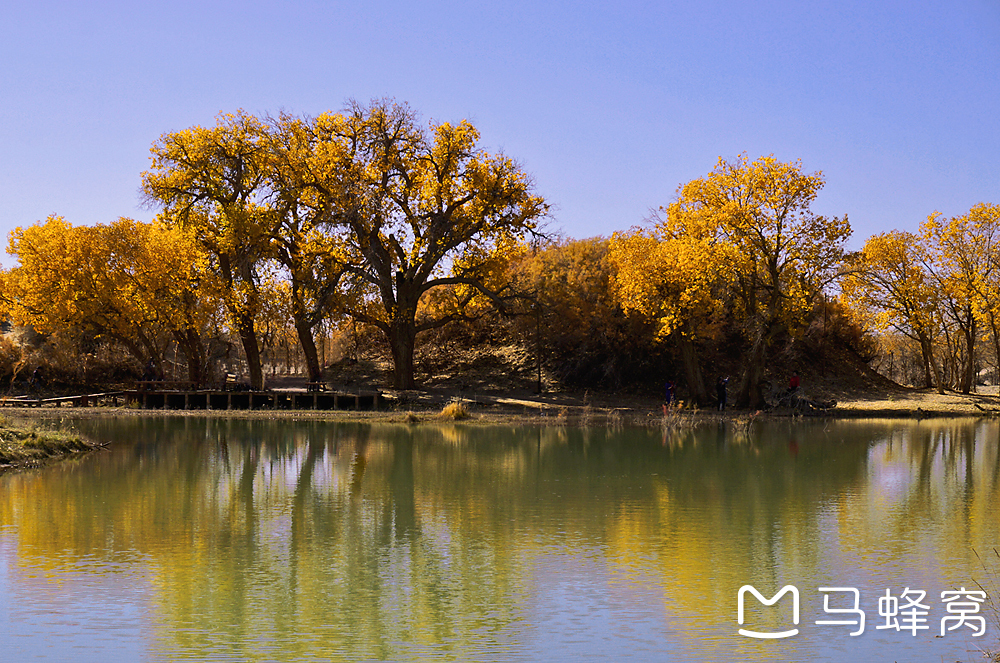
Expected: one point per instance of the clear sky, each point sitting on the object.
(610, 106)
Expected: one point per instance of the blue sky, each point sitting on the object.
(610, 108)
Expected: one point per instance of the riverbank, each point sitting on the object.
(25, 443)
(920, 404)
(579, 409)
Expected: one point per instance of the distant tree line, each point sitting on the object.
(273, 227)
(932, 297)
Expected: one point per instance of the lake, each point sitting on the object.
(215, 539)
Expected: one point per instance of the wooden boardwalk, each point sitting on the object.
(81, 400)
(171, 399)
(255, 400)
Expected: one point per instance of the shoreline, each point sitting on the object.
(562, 408)
(47, 444)
(26, 443)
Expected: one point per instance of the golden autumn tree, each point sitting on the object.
(66, 279)
(677, 282)
(984, 218)
(213, 182)
(306, 166)
(133, 283)
(782, 252)
(576, 320)
(168, 276)
(964, 262)
(887, 282)
(415, 209)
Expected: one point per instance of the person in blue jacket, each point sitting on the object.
(720, 391)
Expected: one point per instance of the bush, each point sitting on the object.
(455, 411)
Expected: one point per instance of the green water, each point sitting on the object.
(202, 539)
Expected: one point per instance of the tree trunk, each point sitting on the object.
(248, 335)
(403, 331)
(190, 344)
(692, 369)
(969, 331)
(948, 366)
(926, 360)
(402, 336)
(304, 330)
(927, 350)
(245, 314)
(750, 394)
(996, 346)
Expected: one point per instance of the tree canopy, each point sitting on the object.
(416, 209)
(141, 285)
(214, 183)
(779, 253)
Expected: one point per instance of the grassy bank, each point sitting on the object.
(28, 444)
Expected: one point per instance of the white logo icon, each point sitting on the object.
(774, 599)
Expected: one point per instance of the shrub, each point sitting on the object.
(455, 411)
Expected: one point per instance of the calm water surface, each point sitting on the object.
(196, 539)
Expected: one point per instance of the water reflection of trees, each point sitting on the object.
(262, 535)
(952, 471)
(302, 536)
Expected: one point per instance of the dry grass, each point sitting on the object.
(921, 403)
(455, 411)
(676, 417)
(992, 604)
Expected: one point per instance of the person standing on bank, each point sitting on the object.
(720, 390)
(669, 393)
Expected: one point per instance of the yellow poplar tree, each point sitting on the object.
(579, 328)
(887, 282)
(963, 260)
(674, 281)
(413, 210)
(66, 279)
(783, 253)
(307, 163)
(137, 284)
(167, 275)
(213, 182)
